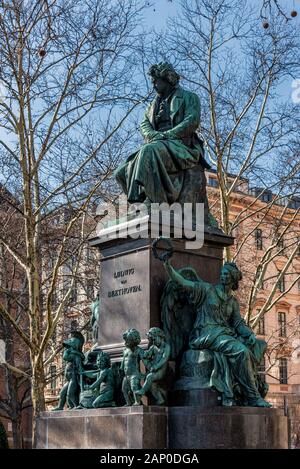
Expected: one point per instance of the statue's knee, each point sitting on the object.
(152, 147)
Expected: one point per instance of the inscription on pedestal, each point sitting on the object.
(124, 294)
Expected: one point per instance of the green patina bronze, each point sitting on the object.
(130, 366)
(155, 173)
(74, 357)
(219, 328)
(103, 389)
(155, 360)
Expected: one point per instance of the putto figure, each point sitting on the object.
(130, 366)
(155, 173)
(74, 357)
(156, 361)
(104, 384)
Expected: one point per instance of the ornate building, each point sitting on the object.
(267, 234)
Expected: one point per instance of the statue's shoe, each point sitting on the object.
(259, 402)
(56, 409)
(227, 402)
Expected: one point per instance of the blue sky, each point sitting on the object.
(158, 14)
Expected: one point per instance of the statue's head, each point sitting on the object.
(131, 337)
(103, 360)
(156, 336)
(76, 342)
(231, 275)
(163, 76)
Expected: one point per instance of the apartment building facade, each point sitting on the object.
(267, 237)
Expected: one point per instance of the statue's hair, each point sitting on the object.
(165, 71)
(156, 331)
(235, 273)
(133, 334)
(106, 358)
(77, 335)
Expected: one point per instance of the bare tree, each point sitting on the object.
(251, 131)
(66, 72)
(236, 68)
(268, 7)
(14, 397)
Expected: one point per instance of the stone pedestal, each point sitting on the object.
(153, 427)
(111, 428)
(132, 280)
(227, 428)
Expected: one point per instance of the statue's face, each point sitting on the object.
(101, 362)
(131, 341)
(72, 343)
(161, 86)
(154, 339)
(158, 340)
(225, 277)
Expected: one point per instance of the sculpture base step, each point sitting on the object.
(155, 427)
(227, 428)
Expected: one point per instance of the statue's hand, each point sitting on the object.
(165, 257)
(160, 136)
(251, 339)
(156, 136)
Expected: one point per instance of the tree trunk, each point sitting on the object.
(17, 431)
(37, 397)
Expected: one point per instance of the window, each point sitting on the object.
(54, 299)
(282, 324)
(74, 325)
(213, 182)
(299, 286)
(258, 239)
(50, 263)
(69, 213)
(280, 242)
(71, 263)
(261, 369)
(53, 377)
(281, 283)
(54, 334)
(261, 326)
(73, 294)
(266, 196)
(89, 256)
(298, 250)
(89, 335)
(56, 220)
(283, 375)
(90, 289)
